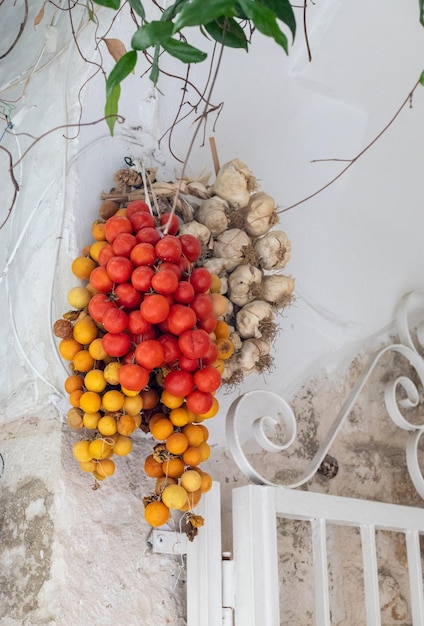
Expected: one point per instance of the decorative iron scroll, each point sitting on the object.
(252, 414)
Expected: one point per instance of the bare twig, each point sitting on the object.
(407, 100)
(18, 36)
(12, 165)
(305, 30)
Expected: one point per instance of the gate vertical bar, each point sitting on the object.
(319, 550)
(369, 558)
(204, 592)
(415, 576)
(256, 556)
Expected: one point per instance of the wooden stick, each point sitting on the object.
(214, 151)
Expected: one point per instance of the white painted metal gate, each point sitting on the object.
(256, 555)
(244, 591)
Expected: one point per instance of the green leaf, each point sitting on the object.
(183, 51)
(90, 12)
(138, 8)
(111, 107)
(172, 11)
(284, 12)
(227, 31)
(265, 21)
(111, 4)
(123, 67)
(151, 34)
(199, 12)
(154, 74)
(421, 2)
(422, 79)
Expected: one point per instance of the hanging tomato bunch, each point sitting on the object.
(168, 309)
(145, 350)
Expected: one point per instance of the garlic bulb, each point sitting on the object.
(231, 245)
(217, 265)
(273, 250)
(234, 182)
(277, 289)
(200, 231)
(241, 283)
(231, 369)
(260, 214)
(212, 213)
(249, 318)
(252, 350)
(236, 340)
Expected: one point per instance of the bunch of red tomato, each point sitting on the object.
(153, 304)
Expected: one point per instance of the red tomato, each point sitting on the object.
(101, 280)
(208, 324)
(163, 326)
(115, 225)
(98, 305)
(142, 220)
(202, 305)
(137, 325)
(201, 279)
(135, 206)
(150, 333)
(179, 383)
(105, 254)
(211, 355)
(128, 358)
(141, 278)
(115, 320)
(180, 318)
(154, 308)
(127, 296)
(133, 377)
(191, 247)
(119, 269)
(185, 265)
(170, 347)
(168, 249)
(148, 235)
(169, 224)
(199, 401)
(150, 354)
(143, 254)
(116, 344)
(207, 379)
(188, 365)
(123, 244)
(194, 343)
(184, 292)
(165, 282)
(170, 266)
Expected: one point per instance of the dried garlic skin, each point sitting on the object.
(234, 182)
(217, 265)
(260, 214)
(277, 288)
(250, 316)
(212, 213)
(273, 250)
(241, 283)
(200, 231)
(230, 244)
(252, 350)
